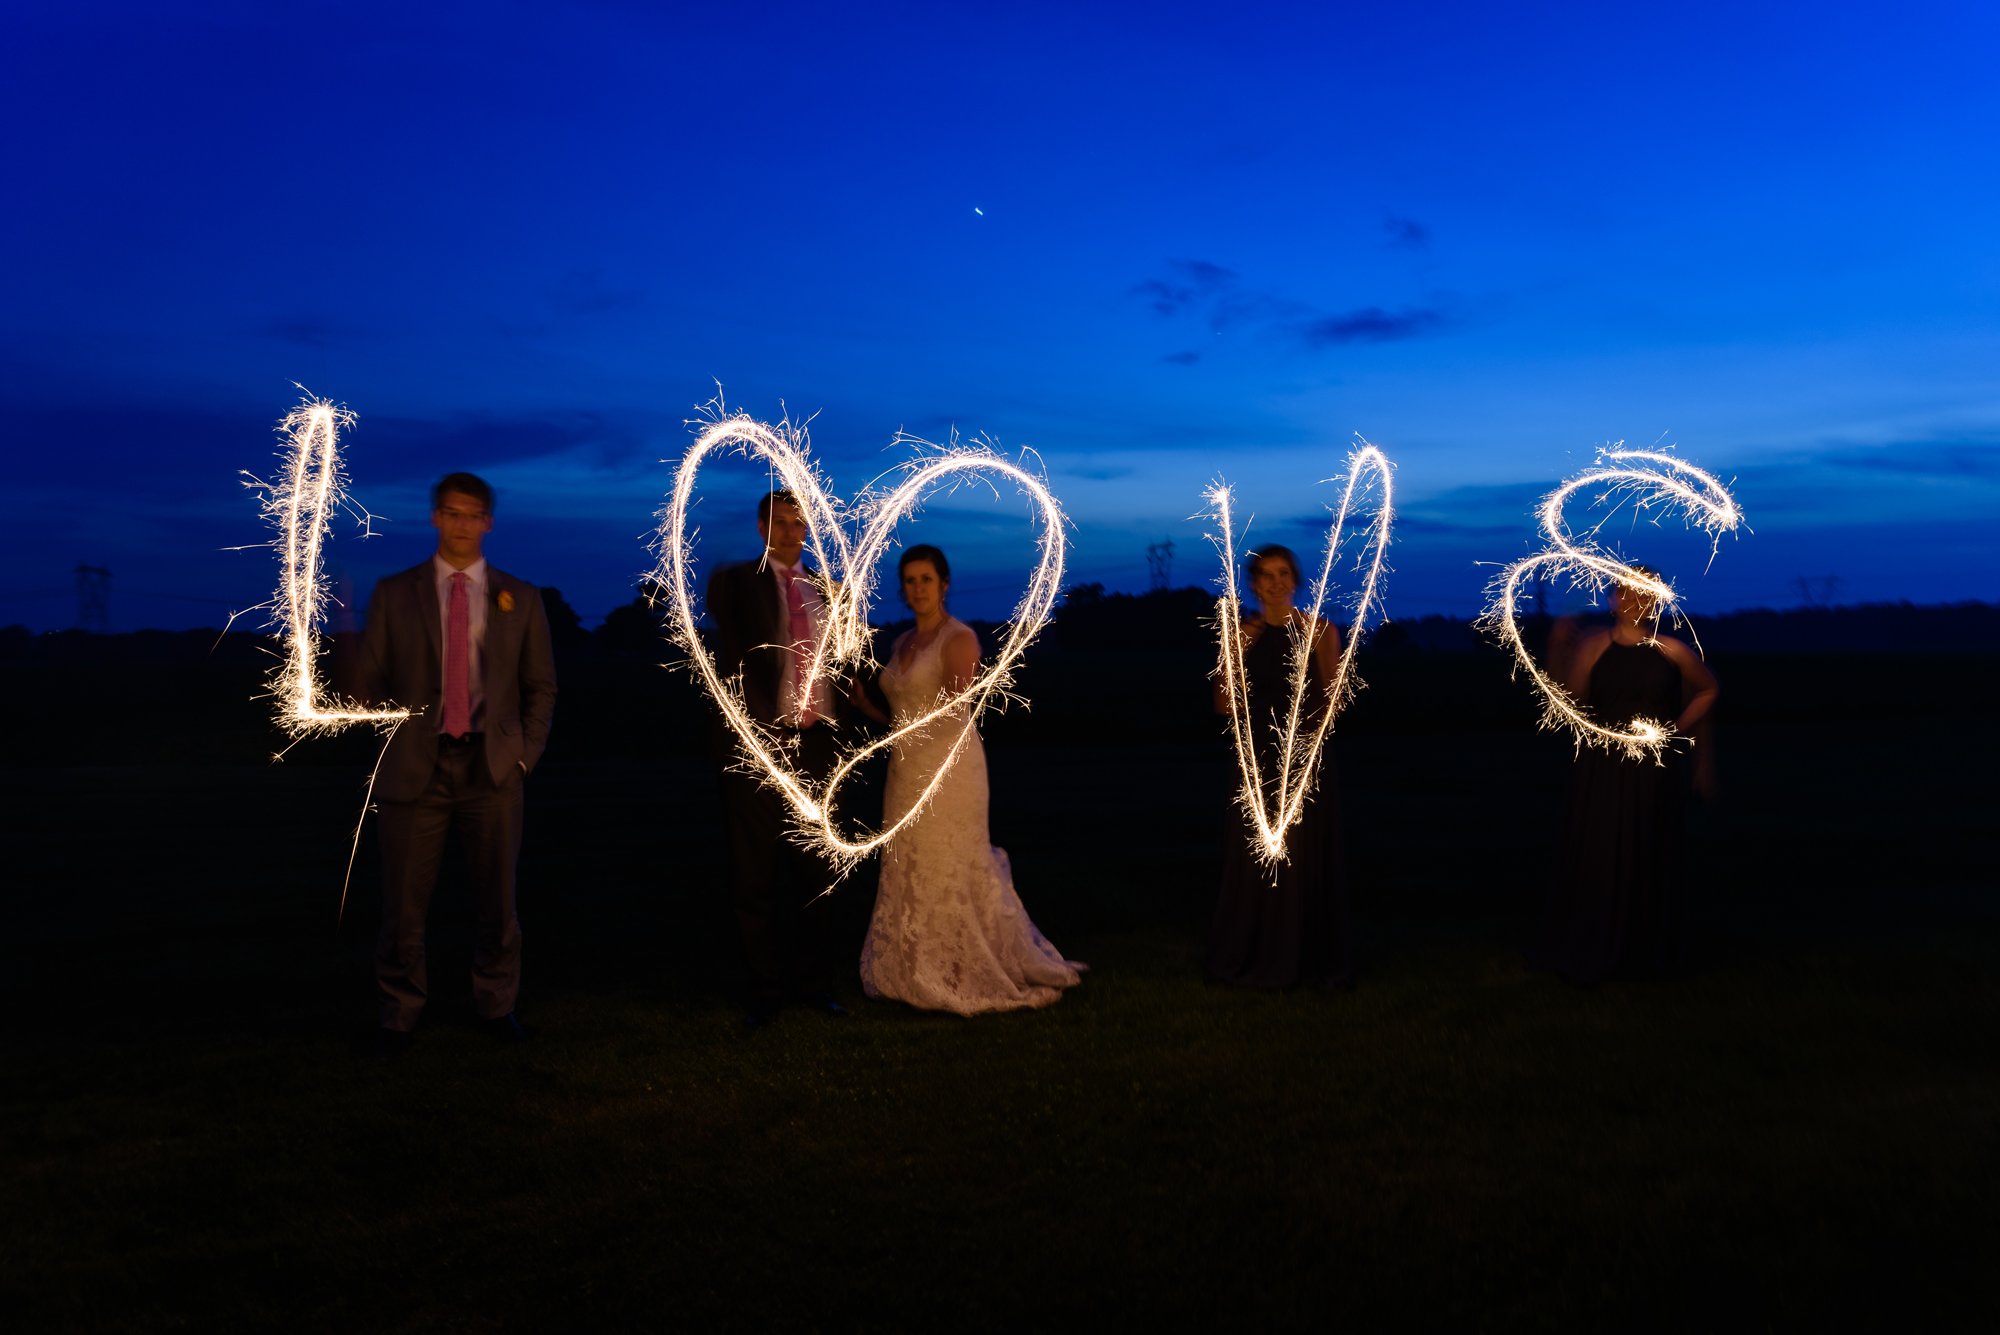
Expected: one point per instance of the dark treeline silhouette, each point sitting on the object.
(252, 645)
(81, 648)
(1968, 627)
(634, 630)
(1091, 620)
(174, 702)
(1169, 619)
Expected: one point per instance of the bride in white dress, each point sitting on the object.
(949, 933)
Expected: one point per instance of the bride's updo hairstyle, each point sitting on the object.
(923, 551)
(1273, 552)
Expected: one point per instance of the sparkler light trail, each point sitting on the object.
(849, 564)
(311, 489)
(1647, 480)
(1303, 741)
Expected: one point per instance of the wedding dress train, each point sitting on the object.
(949, 933)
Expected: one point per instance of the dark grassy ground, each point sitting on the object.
(1806, 1130)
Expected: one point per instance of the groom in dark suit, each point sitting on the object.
(767, 614)
(466, 649)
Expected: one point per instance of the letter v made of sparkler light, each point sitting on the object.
(1302, 740)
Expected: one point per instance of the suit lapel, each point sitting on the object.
(499, 628)
(427, 608)
(780, 624)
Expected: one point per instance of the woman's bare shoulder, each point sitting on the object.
(1677, 649)
(958, 645)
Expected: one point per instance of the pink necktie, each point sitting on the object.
(802, 639)
(457, 653)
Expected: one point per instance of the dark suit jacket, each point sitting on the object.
(752, 627)
(402, 660)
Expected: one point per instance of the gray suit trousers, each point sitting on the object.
(461, 797)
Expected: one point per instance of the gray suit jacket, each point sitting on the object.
(402, 660)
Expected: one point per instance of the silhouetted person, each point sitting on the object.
(1282, 925)
(466, 649)
(1618, 903)
(768, 613)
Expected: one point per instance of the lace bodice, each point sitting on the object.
(914, 686)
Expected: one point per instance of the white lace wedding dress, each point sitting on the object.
(949, 933)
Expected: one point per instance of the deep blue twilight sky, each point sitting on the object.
(1157, 244)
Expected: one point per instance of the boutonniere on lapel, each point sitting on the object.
(506, 601)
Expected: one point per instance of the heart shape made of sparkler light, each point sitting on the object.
(848, 565)
(1647, 479)
(1304, 740)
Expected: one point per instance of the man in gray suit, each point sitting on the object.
(466, 649)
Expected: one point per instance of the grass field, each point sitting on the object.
(1805, 1131)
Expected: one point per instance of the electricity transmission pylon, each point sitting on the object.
(93, 599)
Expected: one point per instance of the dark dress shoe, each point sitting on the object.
(824, 1003)
(388, 1043)
(762, 1011)
(506, 1028)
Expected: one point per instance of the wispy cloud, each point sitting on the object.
(1370, 324)
(1190, 282)
(1407, 233)
(1506, 510)
(311, 331)
(1943, 459)
(579, 295)
(1200, 289)
(583, 291)
(415, 448)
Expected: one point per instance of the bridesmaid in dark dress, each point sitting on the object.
(1618, 905)
(1282, 925)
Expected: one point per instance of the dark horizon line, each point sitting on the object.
(1757, 610)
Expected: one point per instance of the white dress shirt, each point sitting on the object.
(816, 610)
(475, 609)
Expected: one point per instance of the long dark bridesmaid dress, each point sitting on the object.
(1284, 925)
(1617, 904)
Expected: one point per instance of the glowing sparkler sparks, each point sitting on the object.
(849, 566)
(1646, 479)
(310, 490)
(1303, 741)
